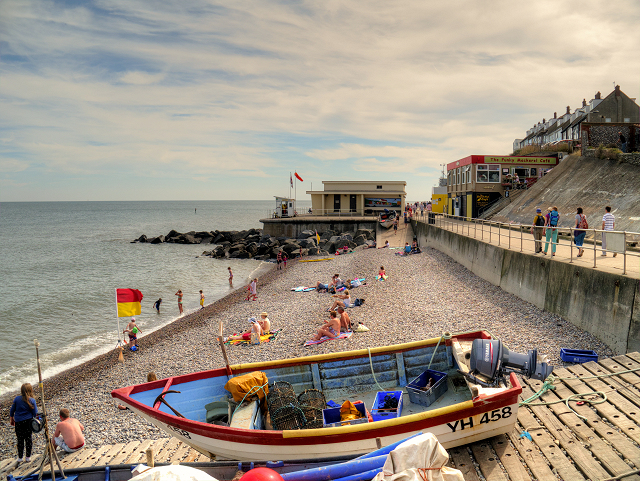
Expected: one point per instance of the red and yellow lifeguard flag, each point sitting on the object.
(128, 301)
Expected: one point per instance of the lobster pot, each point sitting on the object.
(313, 398)
(312, 416)
(287, 417)
(280, 394)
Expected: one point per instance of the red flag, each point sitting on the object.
(291, 180)
(298, 177)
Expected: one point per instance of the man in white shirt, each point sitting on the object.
(608, 223)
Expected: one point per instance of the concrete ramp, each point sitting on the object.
(582, 182)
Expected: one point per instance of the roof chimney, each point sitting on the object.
(617, 90)
(555, 115)
(568, 109)
(584, 102)
(598, 95)
(544, 120)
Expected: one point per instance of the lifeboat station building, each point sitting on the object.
(358, 197)
(477, 181)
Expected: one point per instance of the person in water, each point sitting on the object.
(156, 305)
(179, 294)
(201, 299)
(230, 276)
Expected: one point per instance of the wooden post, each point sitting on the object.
(150, 460)
(224, 351)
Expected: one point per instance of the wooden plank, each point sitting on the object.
(606, 409)
(402, 374)
(630, 378)
(488, 462)
(6, 463)
(580, 455)
(599, 449)
(202, 458)
(315, 372)
(97, 454)
(139, 453)
(548, 447)
(167, 451)
(192, 454)
(509, 458)
(110, 454)
(532, 456)
(179, 454)
(617, 440)
(125, 453)
(609, 366)
(86, 452)
(26, 468)
(462, 460)
(619, 401)
(634, 355)
(69, 458)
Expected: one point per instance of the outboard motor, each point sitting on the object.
(491, 360)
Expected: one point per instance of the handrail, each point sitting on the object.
(325, 213)
(447, 221)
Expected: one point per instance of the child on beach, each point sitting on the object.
(201, 299)
(256, 327)
(253, 291)
(179, 294)
(230, 276)
(279, 260)
(132, 331)
(156, 305)
(284, 259)
(330, 329)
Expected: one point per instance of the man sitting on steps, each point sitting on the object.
(68, 435)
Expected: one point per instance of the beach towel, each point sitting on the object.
(265, 338)
(343, 335)
(382, 278)
(303, 289)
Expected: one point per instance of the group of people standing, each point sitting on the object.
(547, 225)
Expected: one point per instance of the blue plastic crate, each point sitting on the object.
(578, 356)
(378, 414)
(418, 395)
(331, 417)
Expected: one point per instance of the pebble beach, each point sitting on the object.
(425, 295)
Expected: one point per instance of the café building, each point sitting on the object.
(476, 181)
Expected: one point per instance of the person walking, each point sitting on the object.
(580, 231)
(22, 411)
(623, 143)
(230, 276)
(551, 229)
(608, 224)
(201, 299)
(537, 228)
(179, 294)
(395, 225)
(279, 260)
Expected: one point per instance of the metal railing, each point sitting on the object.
(323, 212)
(513, 233)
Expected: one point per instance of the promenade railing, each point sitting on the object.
(520, 235)
(322, 212)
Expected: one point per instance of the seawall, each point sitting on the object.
(293, 226)
(604, 304)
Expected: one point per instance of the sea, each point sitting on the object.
(60, 263)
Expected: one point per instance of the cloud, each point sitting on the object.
(230, 91)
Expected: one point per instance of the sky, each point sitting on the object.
(205, 100)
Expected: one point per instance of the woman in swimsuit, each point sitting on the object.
(179, 294)
(345, 302)
(331, 328)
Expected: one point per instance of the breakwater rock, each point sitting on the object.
(253, 244)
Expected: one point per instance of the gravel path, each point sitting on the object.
(425, 295)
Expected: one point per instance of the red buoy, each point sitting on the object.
(261, 474)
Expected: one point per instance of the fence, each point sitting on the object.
(615, 241)
(323, 212)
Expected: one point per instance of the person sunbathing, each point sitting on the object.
(246, 336)
(344, 302)
(330, 329)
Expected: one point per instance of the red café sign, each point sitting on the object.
(520, 160)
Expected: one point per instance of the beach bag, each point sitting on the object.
(37, 424)
(583, 224)
(553, 218)
(358, 302)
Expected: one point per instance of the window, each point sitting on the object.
(607, 120)
(449, 178)
(627, 119)
(469, 174)
(488, 173)
(458, 176)
(378, 187)
(522, 172)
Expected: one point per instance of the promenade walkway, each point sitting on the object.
(405, 234)
(518, 238)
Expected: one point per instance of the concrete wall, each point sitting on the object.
(292, 227)
(603, 304)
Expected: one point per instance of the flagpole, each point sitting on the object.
(289, 184)
(117, 318)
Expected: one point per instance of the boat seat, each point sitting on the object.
(217, 411)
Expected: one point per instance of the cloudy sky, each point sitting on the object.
(190, 100)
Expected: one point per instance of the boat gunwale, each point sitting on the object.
(321, 435)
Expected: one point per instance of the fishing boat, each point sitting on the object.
(459, 412)
(386, 218)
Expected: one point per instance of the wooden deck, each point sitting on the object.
(603, 443)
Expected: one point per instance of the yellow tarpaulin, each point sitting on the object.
(349, 412)
(252, 382)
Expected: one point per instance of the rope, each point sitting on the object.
(372, 371)
(250, 392)
(584, 397)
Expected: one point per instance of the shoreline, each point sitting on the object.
(91, 366)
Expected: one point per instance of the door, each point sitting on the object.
(352, 203)
(336, 202)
